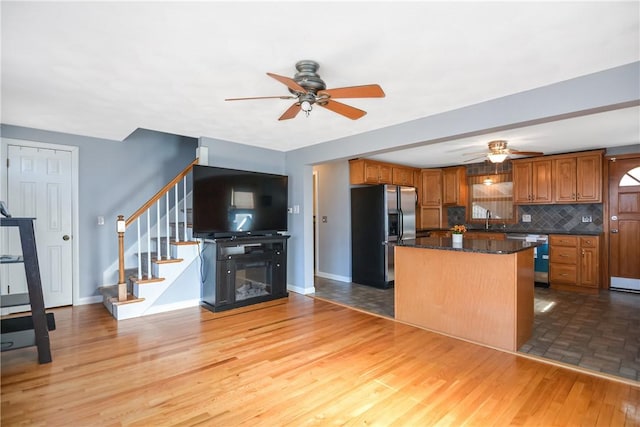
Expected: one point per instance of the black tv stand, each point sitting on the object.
(243, 270)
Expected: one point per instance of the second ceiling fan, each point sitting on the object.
(308, 89)
(498, 152)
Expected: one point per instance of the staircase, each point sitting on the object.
(160, 270)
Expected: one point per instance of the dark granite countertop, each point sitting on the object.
(484, 246)
(507, 231)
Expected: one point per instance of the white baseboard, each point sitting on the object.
(300, 290)
(173, 306)
(333, 277)
(88, 300)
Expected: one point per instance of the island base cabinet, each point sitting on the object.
(483, 298)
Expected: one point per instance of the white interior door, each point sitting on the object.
(39, 185)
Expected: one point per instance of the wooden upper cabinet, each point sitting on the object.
(532, 181)
(589, 178)
(362, 171)
(564, 180)
(521, 182)
(454, 186)
(431, 180)
(578, 178)
(402, 176)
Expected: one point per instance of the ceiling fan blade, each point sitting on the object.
(476, 158)
(364, 91)
(478, 153)
(348, 111)
(526, 153)
(261, 97)
(289, 82)
(291, 112)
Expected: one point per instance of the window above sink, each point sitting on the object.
(491, 193)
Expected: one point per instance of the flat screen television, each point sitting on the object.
(230, 202)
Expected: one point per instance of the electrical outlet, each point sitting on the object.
(587, 218)
(526, 218)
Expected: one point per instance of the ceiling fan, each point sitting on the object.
(307, 88)
(498, 152)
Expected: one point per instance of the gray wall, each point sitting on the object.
(231, 155)
(114, 178)
(334, 203)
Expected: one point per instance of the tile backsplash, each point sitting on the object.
(545, 218)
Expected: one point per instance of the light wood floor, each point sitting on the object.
(297, 362)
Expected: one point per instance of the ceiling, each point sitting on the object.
(104, 69)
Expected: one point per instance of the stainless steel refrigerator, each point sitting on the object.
(380, 216)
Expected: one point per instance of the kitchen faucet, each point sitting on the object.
(488, 217)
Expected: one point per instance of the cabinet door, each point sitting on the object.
(590, 261)
(431, 187)
(522, 182)
(385, 174)
(541, 181)
(589, 178)
(402, 176)
(589, 267)
(454, 186)
(371, 173)
(430, 217)
(564, 179)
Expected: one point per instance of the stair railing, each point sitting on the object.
(145, 211)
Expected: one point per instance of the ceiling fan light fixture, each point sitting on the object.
(497, 157)
(306, 107)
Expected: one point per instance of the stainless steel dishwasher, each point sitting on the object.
(540, 256)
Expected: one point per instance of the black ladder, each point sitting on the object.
(19, 332)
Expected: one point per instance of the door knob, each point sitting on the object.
(66, 237)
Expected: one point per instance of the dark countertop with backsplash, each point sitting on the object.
(545, 219)
(508, 231)
(484, 246)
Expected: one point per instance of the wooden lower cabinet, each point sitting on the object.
(430, 217)
(574, 262)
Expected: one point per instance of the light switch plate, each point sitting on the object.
(587, 218)
(526, 218)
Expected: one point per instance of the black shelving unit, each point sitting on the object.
(32, 330)
(243, 271)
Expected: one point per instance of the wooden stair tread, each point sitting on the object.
(145, 279)
(188, 242)
(130, 299)
(167, 261)
(111, 292)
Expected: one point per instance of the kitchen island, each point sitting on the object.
(481, 291)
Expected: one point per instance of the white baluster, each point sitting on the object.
(175, 208)
(166, 198)
(139, 251)
(184, 205)
(148, 243)
(159, 241)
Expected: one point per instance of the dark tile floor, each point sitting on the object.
(595, 332)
